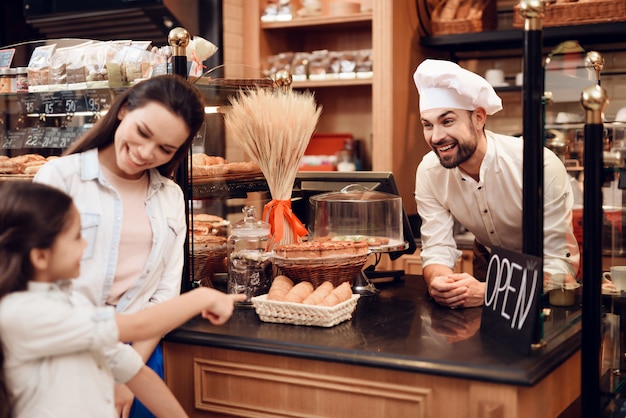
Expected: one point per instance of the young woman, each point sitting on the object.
(132, 213)
(60, 354)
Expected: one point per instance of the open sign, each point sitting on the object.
(511, 312)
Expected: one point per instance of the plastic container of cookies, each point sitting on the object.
(359, 214)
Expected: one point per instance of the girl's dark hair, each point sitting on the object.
(172, 92)
(31, 216)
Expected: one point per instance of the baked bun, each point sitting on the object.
(207, 217)
(279, 288)
(200, 159)
(32, 169)
(299, 292)
(319, 294)
(21, 164)
(243, 167)
(341, 293)
(209, 170)
(10, 167)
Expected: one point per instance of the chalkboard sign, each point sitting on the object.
(52, 103)
(68, 135)
(73, 101)
(511, 313)
(3, 138)
(6, 57)
(15, 139)
(97, 100)
(53, 137)
(30, 103)
(35, 138)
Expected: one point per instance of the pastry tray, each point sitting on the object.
(18, 177)
(301, 314)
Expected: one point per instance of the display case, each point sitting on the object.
(39, 120)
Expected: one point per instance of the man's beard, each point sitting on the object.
(463, 152)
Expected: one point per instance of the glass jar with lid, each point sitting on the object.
(8, 78)
(249, 257)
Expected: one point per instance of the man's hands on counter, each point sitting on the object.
(456, 290)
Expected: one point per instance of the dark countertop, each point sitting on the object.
(399, 328)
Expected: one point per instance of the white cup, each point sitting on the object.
(495, 77)
(519, 79)
(617, 275)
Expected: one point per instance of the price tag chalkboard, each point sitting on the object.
(67, 136)
(35, 138)
(15, 139)
(3, 137)
(52, 103)
(6, 57)
(511, 313)
(97, 100)
(30, 103)
(53, 137)
(73, 101)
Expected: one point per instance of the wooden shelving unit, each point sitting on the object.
(381, 111)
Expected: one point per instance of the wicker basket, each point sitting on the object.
(487, 20)
(319, 270)
(578, 13)
(205, 261)
(300, 314)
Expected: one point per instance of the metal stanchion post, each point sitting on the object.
(594, 100)
(178, 39)
(532, 222)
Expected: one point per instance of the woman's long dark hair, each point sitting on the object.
(32, 215)
(172, 92)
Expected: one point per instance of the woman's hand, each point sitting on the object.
(222, 308)
(123, 400)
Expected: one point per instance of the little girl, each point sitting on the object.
(60, 354)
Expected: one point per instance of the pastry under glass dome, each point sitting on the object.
(357, 213)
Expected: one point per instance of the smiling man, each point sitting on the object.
(474, 176)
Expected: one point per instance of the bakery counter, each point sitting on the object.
(400, 354)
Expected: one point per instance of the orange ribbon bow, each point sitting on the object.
(275, 212)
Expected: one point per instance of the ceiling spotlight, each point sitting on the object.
(168, 22)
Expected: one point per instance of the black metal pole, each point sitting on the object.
(178, 39)
(594, 101)
(532, 220)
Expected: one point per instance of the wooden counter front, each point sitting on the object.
(400, 356)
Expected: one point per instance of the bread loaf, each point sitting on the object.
(299, 292)
(341, 293)
(319, 294)
(279, 288)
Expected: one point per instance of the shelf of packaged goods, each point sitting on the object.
(603, 33)
(332, 83)
(322, 21)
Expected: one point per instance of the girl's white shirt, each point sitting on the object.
(100, 208)
(62, 353)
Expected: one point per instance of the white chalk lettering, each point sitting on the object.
(501, 289)
(524, 300)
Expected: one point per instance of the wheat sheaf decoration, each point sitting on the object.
(274, 127)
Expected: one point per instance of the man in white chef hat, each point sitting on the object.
(474, 176)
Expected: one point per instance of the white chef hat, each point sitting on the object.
(443, 83)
